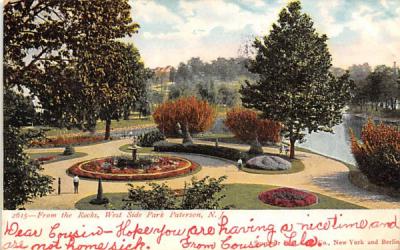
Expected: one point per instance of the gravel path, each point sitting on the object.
(321, 174)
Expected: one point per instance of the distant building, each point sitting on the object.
(162, 74)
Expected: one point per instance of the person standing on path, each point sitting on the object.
(240, 163)
(76, 184)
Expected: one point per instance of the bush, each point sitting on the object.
(200, 194)
(148, 139)
(222, 152)
(378, 155)
(199, 115)
(69, 150)
(245, 125)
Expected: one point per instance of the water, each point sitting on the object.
(335, 145)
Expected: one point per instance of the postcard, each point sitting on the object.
(209, 124)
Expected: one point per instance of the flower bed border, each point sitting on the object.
(76, 169)
(267, 197)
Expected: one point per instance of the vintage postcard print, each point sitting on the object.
(209, 124)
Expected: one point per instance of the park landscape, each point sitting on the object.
(228, 133)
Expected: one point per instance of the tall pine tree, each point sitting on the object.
(295, 86)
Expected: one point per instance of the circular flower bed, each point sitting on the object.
(288, 197)
(145, 168)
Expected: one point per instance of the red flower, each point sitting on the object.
(287, 197)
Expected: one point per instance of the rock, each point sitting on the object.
(268, 163)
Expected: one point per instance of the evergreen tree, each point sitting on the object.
(295, 86)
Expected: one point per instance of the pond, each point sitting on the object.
(335, 145)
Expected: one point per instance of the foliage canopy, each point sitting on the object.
(295, 86)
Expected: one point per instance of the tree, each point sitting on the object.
(23, 180)
(359, 74)
(228, 96)
(295, 85)
(381, 87)
(20, 110)
(46, 41)
(196, 114)
(245, 125)
(207, 91)
(118, 79)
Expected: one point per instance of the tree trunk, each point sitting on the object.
(126, 115)
(292, 142)
(108, 129)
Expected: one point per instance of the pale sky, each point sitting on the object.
(173, 31)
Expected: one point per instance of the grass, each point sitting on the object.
(241, 196)
(297, 166)
(229, 138)
(245, 196)
(114, 198)
(125, 149)
(100, 125)
(226, 138)
(60, 156)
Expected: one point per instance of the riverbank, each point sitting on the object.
(396, 121)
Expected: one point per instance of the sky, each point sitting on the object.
(173, 31)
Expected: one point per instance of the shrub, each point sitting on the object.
(148, 139)
(197, 114)
(378, 155)
(222, 152)
(245, 125)
(199, 194)
(69, 150)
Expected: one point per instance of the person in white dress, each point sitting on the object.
(76, 184)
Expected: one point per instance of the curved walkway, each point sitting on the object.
(321, 175)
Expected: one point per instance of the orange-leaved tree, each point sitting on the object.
(245, 125)
(378, 156)
(198, 115)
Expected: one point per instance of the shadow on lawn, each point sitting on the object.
(340, 184)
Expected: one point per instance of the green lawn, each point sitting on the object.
(100, 126)
(245, 196)
(241, 196)
(226, 138)
(115, 201)
(60, 156)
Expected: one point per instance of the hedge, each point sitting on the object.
(222, 152)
